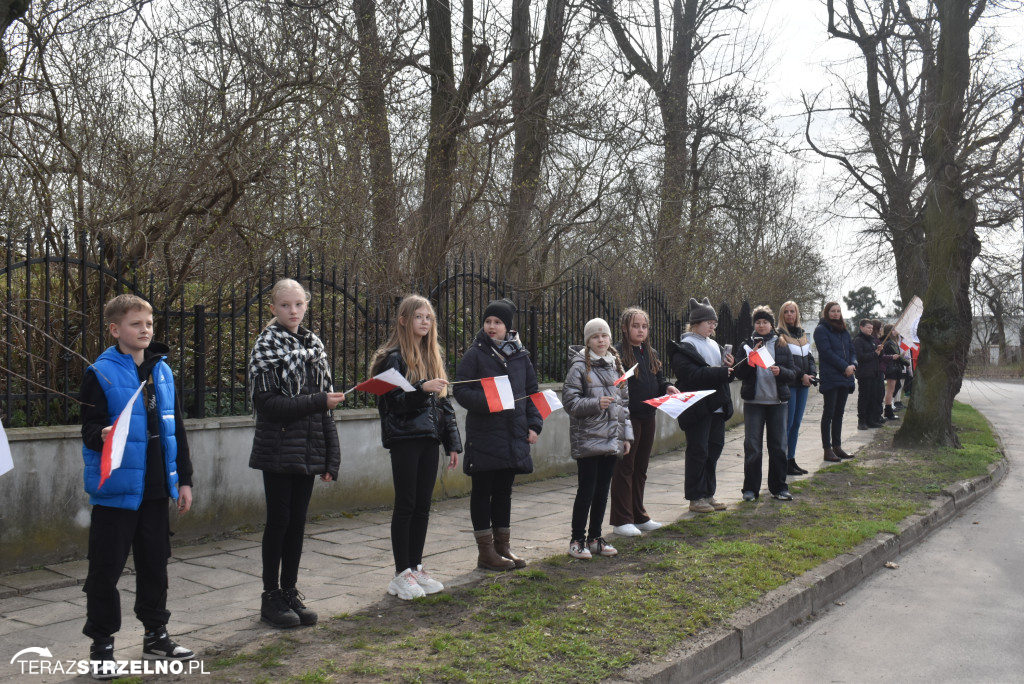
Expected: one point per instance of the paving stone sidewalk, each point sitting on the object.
(346, 561)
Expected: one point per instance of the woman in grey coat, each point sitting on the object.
(599, 432)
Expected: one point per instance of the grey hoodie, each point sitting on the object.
(593, 432)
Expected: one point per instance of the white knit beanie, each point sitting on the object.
(595, 326)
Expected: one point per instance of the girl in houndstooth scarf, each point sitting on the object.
(295, 441)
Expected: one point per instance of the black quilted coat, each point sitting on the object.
(415, 415)
(497, 441)
(693, 373)
(295, 435)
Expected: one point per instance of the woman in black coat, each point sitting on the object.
(497, 444)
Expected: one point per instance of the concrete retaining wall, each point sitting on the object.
(44, 512)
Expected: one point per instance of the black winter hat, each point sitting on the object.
(503, 309)
(702, 311)
(765, 314)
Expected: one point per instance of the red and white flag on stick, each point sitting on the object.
(498, 391)
(906, 326)
(6, 462)
(761, 357)
(627, 375)
(674, 404)
(113, 447)
(546, 402)
(384, 383)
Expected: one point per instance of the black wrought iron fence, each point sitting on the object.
(54, 292)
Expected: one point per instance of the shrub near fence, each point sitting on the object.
(54, 294)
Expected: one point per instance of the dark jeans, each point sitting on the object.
(832, 417)
(287, 497)
(113, 533)
(756, 418)
(794, 416)
(490, 503)
(413, 469)
(869, 399)
(704, 443)
(630, 476)
(594, 479)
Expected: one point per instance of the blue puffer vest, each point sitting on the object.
(124, 487)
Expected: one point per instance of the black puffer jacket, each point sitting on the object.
(868, 363)
(496, 441)
(783, 359)
(415, 415)
(694, 373)
(294, 435)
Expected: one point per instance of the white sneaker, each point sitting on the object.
(578, 549)
(627, 530)
(599, 547)
(429, 584)
(649, 526)
(405, 586)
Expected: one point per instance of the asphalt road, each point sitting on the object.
(952, 611)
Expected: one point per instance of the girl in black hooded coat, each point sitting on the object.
(497, 444)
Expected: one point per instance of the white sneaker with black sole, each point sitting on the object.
(157, 645)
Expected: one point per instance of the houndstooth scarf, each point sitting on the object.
(285, 354)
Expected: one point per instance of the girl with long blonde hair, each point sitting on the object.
(413, 425)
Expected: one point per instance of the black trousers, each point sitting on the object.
(704, 443)
(287, 498)
(413, 469)
(832, 417)
(757, 419)
(870, 394)
(490, 502)
(594, 478)
(113, 533)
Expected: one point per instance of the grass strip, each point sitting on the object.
(580, 621)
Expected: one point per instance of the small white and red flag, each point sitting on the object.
(674, 404)
(113, 447)
(761, 357)
(6, 462)
(546, 402)
(907, 345)
(627, 375)
(498, 391)
(384, 383)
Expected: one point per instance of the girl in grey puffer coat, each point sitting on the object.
(599, 432)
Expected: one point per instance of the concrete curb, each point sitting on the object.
(781, 610)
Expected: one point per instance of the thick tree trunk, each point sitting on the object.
(951, 241)
(530, 104)
(377, 138)
(10, 10)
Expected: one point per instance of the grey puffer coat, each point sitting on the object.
(592, 431)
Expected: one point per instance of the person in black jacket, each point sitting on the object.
(628, 516)
(701, 364)
(765, 393)
(869, 399)
(412, 426)
(295, 441)
(497, 444)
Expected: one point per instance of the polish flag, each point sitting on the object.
(627, 375)
(6, 462)
(113, 447)
(499, 393)
(907, 345)
(384, 383)
(674, 404)
(546, 401)
(762, 357)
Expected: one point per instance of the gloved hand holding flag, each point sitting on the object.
(113, 447)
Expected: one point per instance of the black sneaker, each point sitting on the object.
(784, 495)
(102, 663)
(274, 610)
(156, 645)
(294, 599)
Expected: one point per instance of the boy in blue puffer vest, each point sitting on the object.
(130, 511)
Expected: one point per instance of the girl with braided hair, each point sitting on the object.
(599, 432)
(295, 441)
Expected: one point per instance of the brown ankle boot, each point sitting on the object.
(487, 558)
(831, 456)
(840, 453)
(502, 535)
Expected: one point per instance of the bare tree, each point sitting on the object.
(10, 10)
